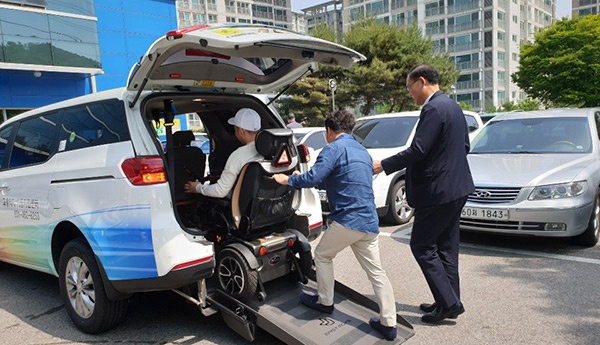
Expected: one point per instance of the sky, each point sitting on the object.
(563, 7)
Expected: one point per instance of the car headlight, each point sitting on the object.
(558, 191)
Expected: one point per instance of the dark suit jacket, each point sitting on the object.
(437, 171)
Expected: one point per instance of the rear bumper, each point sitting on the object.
(172, 280)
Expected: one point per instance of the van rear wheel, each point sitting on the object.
(82, 290)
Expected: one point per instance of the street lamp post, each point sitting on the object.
(453, 88)
(332, 86)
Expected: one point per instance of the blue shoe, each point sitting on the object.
(388, 333)
(311, 302)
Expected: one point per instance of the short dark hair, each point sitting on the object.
(340, 121)
(291, 116)
(425, 71)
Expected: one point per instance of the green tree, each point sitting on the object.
(390, 51)
(378, 83)
(562, 66)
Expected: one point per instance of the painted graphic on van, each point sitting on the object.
(121, 238)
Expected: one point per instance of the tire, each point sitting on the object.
(82, 290)
(399, 212)
(235, 276)
(590, 236)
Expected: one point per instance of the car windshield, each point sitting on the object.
(534, 135)
(384, 133)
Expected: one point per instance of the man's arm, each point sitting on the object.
(426, 136)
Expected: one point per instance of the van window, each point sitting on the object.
(93, 124)
(4, 136)
(35, 140)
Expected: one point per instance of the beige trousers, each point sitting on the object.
(366, 249)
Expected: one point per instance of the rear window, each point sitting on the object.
(384, 133)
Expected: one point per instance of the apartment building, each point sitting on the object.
(268, 12)
(584, 7)
(481, 36)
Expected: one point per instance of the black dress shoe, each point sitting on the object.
(426, 307)
(440, 313)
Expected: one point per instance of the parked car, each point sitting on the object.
(383, 136)
(90, 196)
(537, 173)
(313, 137)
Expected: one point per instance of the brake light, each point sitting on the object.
(175, 34)
(303, 153)
(144, 171)
(204, 53)
(191, 263)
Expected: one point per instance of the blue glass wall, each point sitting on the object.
(122, 33)
(126, 28)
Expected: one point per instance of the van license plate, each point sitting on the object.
(484, 213)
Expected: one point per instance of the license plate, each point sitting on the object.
(484, 213)
(322, 195)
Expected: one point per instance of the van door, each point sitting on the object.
(25, 233)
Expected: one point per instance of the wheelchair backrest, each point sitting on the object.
(257, 200)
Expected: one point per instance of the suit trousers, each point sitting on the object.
(435, 243)
(366, 250)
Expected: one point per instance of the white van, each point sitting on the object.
(89, 195)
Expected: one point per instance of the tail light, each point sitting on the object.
(144, 171)
(303, 153)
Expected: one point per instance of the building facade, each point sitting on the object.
(584, 7)
(482, 37)
(52, 50)
(268, 12)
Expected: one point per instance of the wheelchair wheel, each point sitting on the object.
(235, 276)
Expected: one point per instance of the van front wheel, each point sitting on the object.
(83, 292)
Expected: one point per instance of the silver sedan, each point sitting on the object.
(537, 173)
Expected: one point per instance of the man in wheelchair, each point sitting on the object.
(246, 125)
(250, 229)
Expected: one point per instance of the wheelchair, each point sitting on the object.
(252, 240)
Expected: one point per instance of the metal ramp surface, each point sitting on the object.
(282, 315)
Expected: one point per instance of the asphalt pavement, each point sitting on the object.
(515, 291)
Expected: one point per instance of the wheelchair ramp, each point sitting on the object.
(282, 315)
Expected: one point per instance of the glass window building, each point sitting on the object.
(51, 50)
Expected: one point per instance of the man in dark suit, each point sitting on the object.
(438, 181)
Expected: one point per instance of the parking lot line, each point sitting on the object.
(405, 234)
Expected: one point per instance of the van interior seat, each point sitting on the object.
(189, 161)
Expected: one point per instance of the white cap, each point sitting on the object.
(247, 119)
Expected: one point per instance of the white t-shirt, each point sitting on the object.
(233, 167)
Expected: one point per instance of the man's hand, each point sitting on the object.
(281, 179)
(190, 186)
(377, 168)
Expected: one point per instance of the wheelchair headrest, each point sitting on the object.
(183, 138)
(269, 141)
